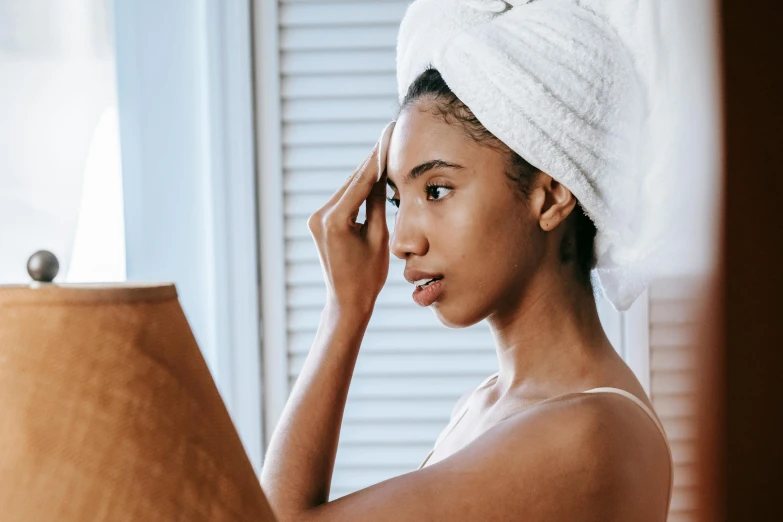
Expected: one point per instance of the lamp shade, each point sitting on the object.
(108, 412)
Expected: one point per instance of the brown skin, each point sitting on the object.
(576, 457)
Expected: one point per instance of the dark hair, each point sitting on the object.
(577, 246)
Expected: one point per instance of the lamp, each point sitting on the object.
(108, 411)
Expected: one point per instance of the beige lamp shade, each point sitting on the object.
(108, 412)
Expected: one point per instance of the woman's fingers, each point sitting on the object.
(364, 185)
(358, 188)
(354, 257)
(340, 191)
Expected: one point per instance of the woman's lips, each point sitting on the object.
(427, 296)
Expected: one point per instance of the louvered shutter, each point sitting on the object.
(672, 377)
(338, 89)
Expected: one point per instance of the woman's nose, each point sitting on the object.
(407, 237)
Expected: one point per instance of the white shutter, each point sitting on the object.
(672, 376)
(338, 90)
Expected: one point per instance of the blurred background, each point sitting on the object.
(190, 140)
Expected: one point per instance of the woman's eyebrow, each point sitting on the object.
(424, 167)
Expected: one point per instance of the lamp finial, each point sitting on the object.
(43, 266)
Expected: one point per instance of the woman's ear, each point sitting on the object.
(555, 202)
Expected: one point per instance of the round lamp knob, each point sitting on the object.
(43, 266)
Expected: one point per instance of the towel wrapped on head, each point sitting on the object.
(565, 84)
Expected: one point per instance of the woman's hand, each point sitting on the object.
(355, 256)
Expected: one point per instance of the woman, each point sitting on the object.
(563, 431)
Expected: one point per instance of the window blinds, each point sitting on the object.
(672, 378)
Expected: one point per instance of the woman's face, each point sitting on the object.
(468, 223)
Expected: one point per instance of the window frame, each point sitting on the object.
(190, 207)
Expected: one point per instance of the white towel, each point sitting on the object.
(565, 84)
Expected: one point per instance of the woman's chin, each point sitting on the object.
(454, 318)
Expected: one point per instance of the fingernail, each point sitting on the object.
(383, 149)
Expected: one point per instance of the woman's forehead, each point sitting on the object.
(422, 141)
(421, 137)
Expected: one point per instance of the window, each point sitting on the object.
(59, 139)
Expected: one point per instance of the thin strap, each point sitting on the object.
(658, 425)
(638, 401)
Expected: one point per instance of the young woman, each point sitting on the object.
(564, 431)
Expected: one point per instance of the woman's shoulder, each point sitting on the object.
(574, 455)
(602, 420)
(601, 439)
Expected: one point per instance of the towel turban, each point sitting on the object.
(565, 84)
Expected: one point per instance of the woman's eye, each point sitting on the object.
(433, 189)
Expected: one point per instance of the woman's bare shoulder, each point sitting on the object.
(599, 455)
(566, 460)
(601, 452)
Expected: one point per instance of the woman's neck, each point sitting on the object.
(552, 339)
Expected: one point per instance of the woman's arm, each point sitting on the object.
(580, 457)
(299, 463)
(354, 257)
